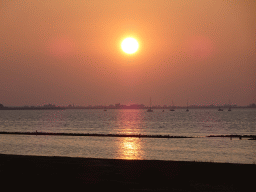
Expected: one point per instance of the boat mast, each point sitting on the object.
(229, 109)
(150, 109)
(172, 109)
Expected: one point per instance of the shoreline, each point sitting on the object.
(127, 175)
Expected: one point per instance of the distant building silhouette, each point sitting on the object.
(117, 105)
(253, 105)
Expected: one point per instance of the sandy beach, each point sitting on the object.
(124, 175)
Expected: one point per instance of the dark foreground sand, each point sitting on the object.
(87, 174)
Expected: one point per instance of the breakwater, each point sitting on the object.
(93, 134)
(253, 137)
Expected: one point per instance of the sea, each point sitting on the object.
(196, 124)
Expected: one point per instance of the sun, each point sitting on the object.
(130, 45)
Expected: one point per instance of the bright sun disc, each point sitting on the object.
(130, 45)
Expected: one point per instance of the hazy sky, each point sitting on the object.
(69, 51)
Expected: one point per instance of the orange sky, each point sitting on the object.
(64, 51)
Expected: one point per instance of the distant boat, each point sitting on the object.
(187, 107)
(229, 109)
(172, 108)
(220, 109)
(150, 109)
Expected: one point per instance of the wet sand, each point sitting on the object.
(123, 175)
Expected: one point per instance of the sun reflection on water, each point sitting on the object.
(130, 147)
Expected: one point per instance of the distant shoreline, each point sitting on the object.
(127, 107)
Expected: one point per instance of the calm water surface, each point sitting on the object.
(196, 122)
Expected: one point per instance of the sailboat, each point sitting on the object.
(150, 109)
(172, 109)
(187, 107)
(229, 109)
